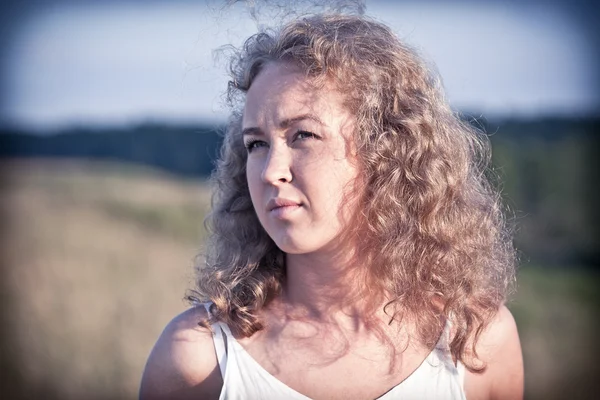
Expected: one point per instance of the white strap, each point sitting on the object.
(219, 343)
(226, 329)
(460, 367)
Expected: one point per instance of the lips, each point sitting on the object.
(279, 203)
(283, 209)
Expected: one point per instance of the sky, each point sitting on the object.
(65, 62)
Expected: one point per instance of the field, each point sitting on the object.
(97, 258)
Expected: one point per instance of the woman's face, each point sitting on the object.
(299, 166)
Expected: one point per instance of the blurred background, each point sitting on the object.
(110, 121)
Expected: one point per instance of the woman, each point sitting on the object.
(356, 249)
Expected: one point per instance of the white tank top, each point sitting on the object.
(437, 378)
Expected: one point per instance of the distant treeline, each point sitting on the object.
(182, 150)
(548, 170)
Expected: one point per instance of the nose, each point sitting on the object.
(277, 168)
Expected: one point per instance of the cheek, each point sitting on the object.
(348, 185)
(337, 183)
(254, 182)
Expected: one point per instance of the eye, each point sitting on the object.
(303, 135)
(254, 144)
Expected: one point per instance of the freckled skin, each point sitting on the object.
(305, 160)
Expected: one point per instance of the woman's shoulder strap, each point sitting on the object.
(221, 333)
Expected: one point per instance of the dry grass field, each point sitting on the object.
(97, 258)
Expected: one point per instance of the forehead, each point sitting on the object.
(282, 91)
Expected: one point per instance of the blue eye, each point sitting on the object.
(254, 144)
(302, 135)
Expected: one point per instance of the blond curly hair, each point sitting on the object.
(430, 226)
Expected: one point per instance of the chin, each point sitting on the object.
(291, 245)
(305, 240)
(299, 246)
(292, 248)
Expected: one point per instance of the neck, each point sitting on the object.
(328, 288)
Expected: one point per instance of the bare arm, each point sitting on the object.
(499, 347)
(182, 364)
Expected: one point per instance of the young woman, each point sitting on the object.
(357, 250)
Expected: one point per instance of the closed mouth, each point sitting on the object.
(275, 204)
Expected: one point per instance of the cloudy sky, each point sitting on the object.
(65, 62)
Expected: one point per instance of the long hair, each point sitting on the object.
(430, 227)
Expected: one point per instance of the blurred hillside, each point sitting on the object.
(96, 260)
(97, 257)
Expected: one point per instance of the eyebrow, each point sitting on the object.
(284, 124)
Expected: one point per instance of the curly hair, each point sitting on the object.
(430, 226)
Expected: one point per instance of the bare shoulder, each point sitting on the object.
(182, 364)
(500, 349)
